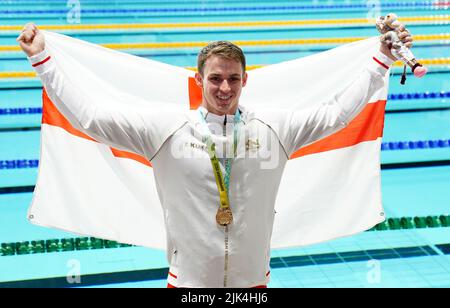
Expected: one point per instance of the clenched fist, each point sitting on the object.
(31, 40)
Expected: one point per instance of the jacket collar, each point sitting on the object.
(211, 117)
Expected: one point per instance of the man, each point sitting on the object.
(218, 202)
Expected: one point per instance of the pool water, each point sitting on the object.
(410, 250)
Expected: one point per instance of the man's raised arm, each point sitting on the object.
(124, 129)
(303, 127)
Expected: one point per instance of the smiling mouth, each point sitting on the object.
(223, 98)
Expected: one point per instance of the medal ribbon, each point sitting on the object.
(223, 183)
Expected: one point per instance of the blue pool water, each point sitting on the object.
(415, 182)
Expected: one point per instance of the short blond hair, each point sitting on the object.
(224, 49)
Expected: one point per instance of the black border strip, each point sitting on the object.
(20, 129)
(417, 110)
(15, 190)
(435, 163)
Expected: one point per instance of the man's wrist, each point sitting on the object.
(380, 63)
(41, 62)
(385, 59)
(37, 57)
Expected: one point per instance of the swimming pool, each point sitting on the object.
(412, 249)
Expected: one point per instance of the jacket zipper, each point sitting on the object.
(225, 275)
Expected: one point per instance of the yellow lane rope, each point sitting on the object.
(234, 24)
(435, 61)
(170, 45)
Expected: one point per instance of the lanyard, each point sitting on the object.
(224, 215)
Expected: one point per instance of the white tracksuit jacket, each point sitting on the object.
(198, 249)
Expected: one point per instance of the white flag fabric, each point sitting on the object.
(329, 189)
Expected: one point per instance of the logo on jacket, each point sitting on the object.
(194, 145)
(252, 144)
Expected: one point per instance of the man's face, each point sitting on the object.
(221, 84)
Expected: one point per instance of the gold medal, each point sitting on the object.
(224, 216)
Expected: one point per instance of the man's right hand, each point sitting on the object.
(31, 40)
